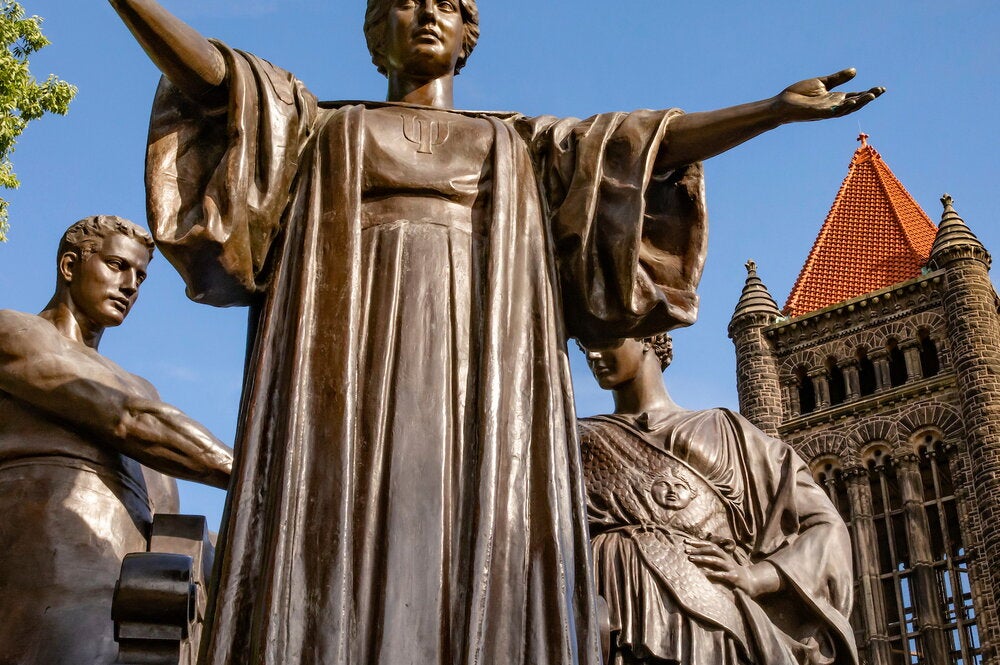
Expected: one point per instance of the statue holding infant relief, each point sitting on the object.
(407, 484)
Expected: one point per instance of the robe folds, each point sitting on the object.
(407, 485)
(662, 607)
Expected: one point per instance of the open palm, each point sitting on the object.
(814, 99)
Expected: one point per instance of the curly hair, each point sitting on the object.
(83, 237)
(376, 18)
(663, 346)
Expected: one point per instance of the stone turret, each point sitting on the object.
(971, 305)
(888, 360)
(757, 375)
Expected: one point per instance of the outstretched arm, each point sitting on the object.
(65, 380)
(178, 50)
(697, 136)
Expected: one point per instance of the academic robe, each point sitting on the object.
(662, 607)
(407, 485)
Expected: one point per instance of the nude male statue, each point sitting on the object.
(79, 441)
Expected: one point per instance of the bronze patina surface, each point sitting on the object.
(79, 441)
(712, 543)
(407, 486)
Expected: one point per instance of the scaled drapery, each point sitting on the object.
(774, 511)
(262, 204)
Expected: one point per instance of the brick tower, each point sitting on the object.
(756, 373)
(884, 374)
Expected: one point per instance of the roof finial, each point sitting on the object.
(955, 240)
(864, 139)
(754, 302)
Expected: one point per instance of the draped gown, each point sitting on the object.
(407, 486)
(755, 498)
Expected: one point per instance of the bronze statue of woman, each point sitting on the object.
(407, 485)
(712, 543)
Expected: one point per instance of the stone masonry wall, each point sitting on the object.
(757, 379)
(974, 332)
(958, 306)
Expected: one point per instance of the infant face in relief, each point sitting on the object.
(672, 492)
(678, 500)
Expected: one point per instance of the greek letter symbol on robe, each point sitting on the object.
(425, 133)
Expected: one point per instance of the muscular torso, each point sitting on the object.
(71, 505)
(31, 432)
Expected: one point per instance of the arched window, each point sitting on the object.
(889, 511)
(929, 361)
(807, 392)
(948, 551)
(897, 363)
(902, 540)
(894, 565)
(866, 373)
(828, 473)
(838, 388)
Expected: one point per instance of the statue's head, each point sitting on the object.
(620, 361)
(101, 263)
(412, 34)
(671, 490)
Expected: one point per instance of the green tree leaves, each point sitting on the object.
(22, 98)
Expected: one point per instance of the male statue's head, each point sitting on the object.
(424, 38)
(101, 264)
(619, 362)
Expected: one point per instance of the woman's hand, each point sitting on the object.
(720, 566)
(813, 99)
(697, 136)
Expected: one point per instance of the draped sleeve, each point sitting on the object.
(629, 239)
(218, 181)
(800, 532)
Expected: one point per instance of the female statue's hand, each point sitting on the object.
(721, 566)
(704, 134)
(813, 99)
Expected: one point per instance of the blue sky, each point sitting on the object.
(936, 127)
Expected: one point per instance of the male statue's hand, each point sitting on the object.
(813, 99)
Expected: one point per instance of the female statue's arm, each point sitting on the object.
(697, 136)
(179, 51)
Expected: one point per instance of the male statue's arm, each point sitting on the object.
(60, 378)
(697, 136)
(178, 50)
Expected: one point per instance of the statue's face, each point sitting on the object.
(616, 363)
(424, 37)
(672, 493)
(104, 285)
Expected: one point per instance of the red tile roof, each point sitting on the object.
(874, 236)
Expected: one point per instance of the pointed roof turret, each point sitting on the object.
(955, 238)
(875, 235)
(755, 299)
